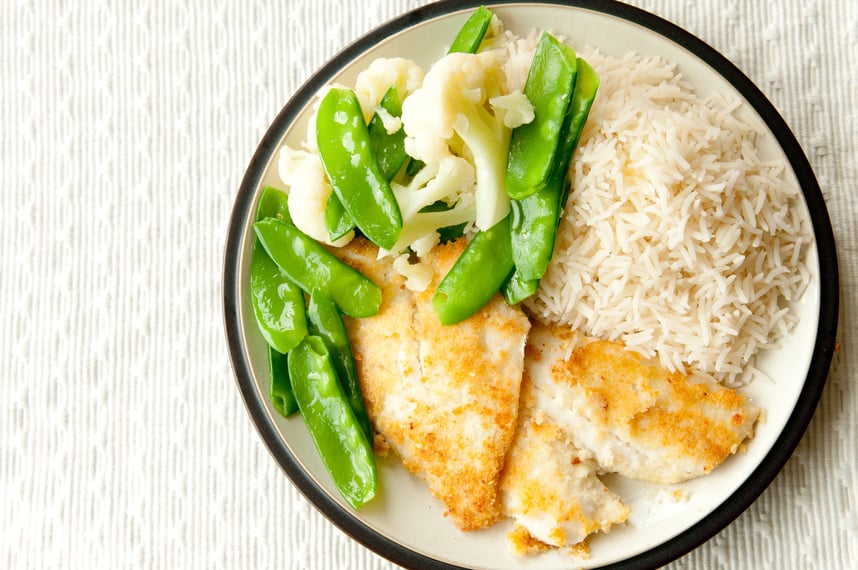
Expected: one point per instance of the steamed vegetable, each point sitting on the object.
(534, 224)
(388, 145)
(516, 289)
(327, 323)
(452, 114)
(337, 220)
(353, 170)
(280, 387)
(342, 444)
(384, 73)
(309, 192)
(273, 203)
(476, 276)
(534, 146)
(387, 136)
(471, 35)
(314, 268)
(278, 304)
(579, 109)
(537, 177)
(535, 218)
(442, 181)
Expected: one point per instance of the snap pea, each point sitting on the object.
(353, 170)
(273, 203)
(533, 146)
(586, 87)
(389, 148)
(344, 448)
(280, 387)
(471, 35)
(515, 289)
(327, 324)
(278, 304)
(477, 275)
(337, 220)
(533, 228)
(313, 268)
(535, 218)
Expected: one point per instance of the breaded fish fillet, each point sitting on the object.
(636, 418)
(445, 398)
(384, 346)
(550, 486)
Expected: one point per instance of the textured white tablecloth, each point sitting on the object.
(126, 128)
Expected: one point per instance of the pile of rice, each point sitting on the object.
(678, 239)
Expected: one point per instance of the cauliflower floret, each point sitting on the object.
(382, 74)
(391, 124)
(451, 113)
(447, 180)
(309, 191)
(515, 108)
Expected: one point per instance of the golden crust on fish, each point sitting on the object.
(382, 345)
(444, 397)
(635, 417)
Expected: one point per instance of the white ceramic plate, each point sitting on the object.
(405, 524)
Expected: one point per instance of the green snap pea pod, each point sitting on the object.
(586, 87)
(535, 218)
(337, 220)
(353, 170)
(389, 148)
(313, 268)
(327, 324)
(344, 448)
(278, 304)
(280, 388)
(515, 289)
(533, 228)
(533, 146)
(273, 204)
(476, 276)
(473, 31)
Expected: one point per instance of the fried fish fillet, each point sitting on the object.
(551, 487)
(445, 398)
(635, 417)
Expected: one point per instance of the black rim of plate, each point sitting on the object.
(823, 349)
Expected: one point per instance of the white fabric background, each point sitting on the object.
(126, 128)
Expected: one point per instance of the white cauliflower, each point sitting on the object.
(515, 109)
(442, 181)
(452, 114)
(309, 191)
(382, 74)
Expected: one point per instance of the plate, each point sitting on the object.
(404, 523)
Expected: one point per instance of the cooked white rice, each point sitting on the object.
(678, 239)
